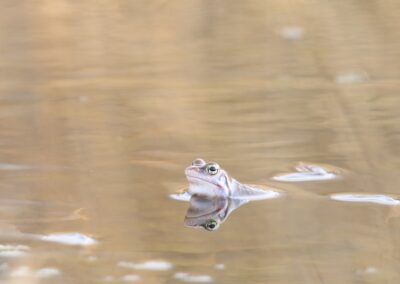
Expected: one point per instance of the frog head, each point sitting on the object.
(207, 178)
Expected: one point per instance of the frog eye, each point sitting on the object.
(211, 225)
(212, 169)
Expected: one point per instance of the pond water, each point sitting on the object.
(103, 104)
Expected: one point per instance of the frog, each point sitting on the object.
(209, 179)
(213, 195)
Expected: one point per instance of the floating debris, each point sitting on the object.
(186, 277)
(291, 33)
(367, 270)
(47, 272)
(219, 266)
(366, 198)
(22, 271)
(130, 278)
(309, 172)
(353, 77)
(14, 167)
(76, 239)
(108, 278)
(155, 265)
(13, 250)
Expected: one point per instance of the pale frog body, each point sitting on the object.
(211, 180)
(214, 195)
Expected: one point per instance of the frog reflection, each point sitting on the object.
(213, 195)
(209, 212)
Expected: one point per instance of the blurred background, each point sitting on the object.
(104, 103)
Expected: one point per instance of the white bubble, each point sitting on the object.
(92, 258)
(70, 239)
(14, 167)
(291, 33)
(148, 265)
(130, 278)
(219, 266)
(352, 77)
(22, 271)
(13, 250)
(367, 270)
(307, 172)
(47, 272)
(108, 278)
(186, 277)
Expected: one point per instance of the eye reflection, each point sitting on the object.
(211, 225)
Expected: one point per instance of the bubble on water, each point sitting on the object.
(291, 32)
(367, 270)
(22, 271)
(130, 278)
(148, 265)
(47, 272)
(219, 266)
(13, 250)
(108, 278)
(14, 167)
(186, 277)
(92, 258)
(77, 239)
(351, 77)
(306, 172)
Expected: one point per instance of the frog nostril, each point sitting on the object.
(198, 163)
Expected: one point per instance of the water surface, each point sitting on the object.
(103, 104)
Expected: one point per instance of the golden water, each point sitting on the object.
(104, 103)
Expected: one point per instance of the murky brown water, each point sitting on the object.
(104, 103)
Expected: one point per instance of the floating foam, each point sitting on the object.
(186, 277)
(76, 239)
(14, 167)
(367, 270)
(22, 271)
(291, 33)
(296, 177)
(307, 173)
(47, 272)
(148, 265)
(13, 250)
(108, 278)
(365, 198)
(130, 278)
(219, 266)
(92, 258)
(353, 77)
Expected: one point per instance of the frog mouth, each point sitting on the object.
(191, 177)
